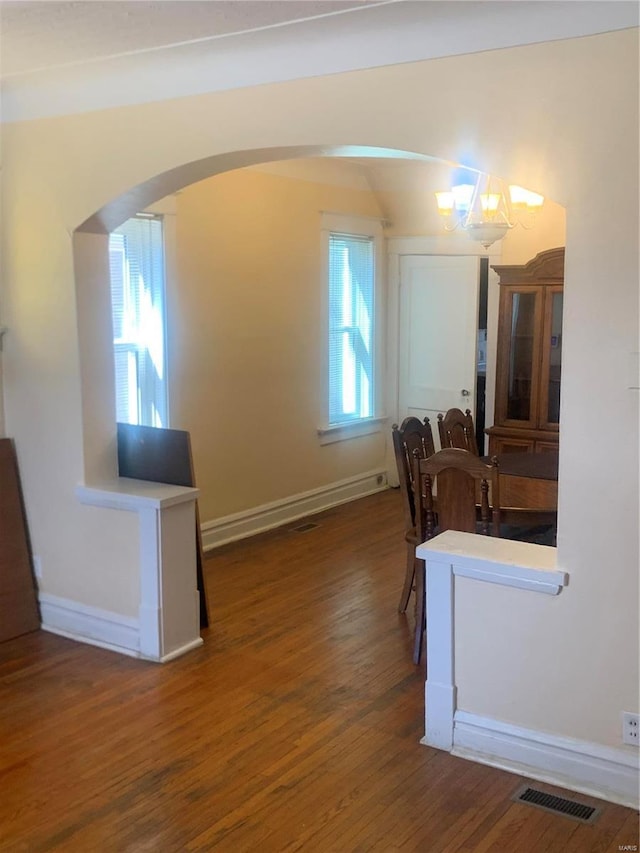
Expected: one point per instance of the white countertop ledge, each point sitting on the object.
(501, 561)
(134, 495)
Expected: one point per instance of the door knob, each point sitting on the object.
(465, 393)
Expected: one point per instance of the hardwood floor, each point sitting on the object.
(295, 727)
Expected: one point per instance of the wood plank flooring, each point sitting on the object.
(295, 727)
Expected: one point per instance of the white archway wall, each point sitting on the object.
(561, 117)
(244, 337)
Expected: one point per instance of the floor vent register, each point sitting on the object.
(556, 805)
(302, 528)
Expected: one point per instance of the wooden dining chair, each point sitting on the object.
(468, 499)
(456, 429)
(413, 436)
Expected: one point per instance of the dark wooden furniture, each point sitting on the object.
(529, 480)
(461, 480)
(528, 491)
(527, 402)
(456, 429)
(19, 613)
(412, 436)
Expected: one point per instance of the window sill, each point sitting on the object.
(355, 429)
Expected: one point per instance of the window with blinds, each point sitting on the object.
(136, 259)
(351, 327)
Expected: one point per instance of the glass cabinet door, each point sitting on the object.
(520, 367)
(551, 360)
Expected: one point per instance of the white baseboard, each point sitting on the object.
(101, 628)
(90, 625)
(608, 773)
(258, 519)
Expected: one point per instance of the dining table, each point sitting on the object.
(528, 486)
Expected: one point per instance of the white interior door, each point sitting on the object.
(438, 319)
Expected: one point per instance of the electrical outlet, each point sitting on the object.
(631, 728)
(37, 567)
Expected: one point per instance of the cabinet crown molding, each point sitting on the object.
(546, 268)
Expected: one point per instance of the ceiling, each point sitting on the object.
(42, 34)
(61, 57)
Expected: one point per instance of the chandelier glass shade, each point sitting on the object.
(486, 209)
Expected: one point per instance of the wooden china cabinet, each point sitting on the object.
(527, 402)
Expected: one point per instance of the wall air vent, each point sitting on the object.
(556, 805)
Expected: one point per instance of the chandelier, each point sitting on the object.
(486, 210)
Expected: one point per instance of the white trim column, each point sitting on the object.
(440, 687)
(169, 615)
(484, 558)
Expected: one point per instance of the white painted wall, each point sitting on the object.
(571, 129)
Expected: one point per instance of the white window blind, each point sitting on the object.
(136, 258)
(351, 327)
